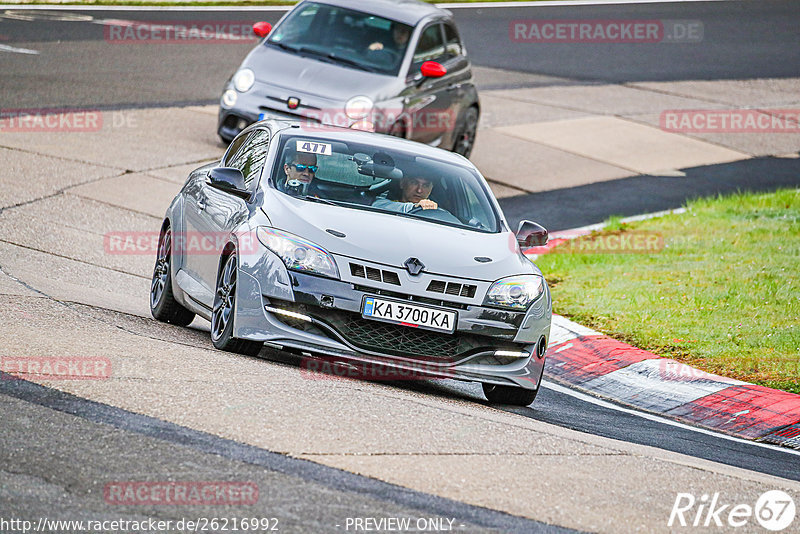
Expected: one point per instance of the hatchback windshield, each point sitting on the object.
(362, 176)
(344, 36)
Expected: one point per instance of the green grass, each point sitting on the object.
(722, 295)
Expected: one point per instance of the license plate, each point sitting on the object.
(398, 312)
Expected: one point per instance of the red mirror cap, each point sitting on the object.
(262, 29)
(431, 69)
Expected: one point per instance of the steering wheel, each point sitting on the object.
(437, 214)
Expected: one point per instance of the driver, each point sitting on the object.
(400, 36)
(414, 193)
(299, 168)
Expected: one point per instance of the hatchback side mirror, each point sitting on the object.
(531, 234)
(432, 69)
(262, 29)
(228, 179)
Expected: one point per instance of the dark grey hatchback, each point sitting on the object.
(386, 66)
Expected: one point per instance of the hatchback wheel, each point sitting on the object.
(509, 395)
(163, 305)
(465, 139)
(223, 312)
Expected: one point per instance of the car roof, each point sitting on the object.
(406, 11)
(333, 133)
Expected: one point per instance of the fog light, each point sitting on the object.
(229, 98)
(241, 125)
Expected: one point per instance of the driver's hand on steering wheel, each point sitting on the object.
(427, 204)
(376, 46)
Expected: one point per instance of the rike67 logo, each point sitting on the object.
(774, 510)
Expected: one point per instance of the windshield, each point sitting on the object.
(362, 176)
(344, 36)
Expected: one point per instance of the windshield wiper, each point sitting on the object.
(284, 46)
(320, 200)
(350, 62)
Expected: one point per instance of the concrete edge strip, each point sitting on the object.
(307, 470)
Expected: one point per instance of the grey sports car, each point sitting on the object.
(373, 250)
(385, 66)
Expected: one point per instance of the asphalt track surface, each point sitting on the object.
(751, 40)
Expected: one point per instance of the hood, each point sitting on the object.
(317, 83)
(392, 239)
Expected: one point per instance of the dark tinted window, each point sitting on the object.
(250, 159)
(452, 42)
(351, 38)
(430, 46)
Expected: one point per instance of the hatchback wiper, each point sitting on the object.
(320, 200)
(284, 46)
(350, 62)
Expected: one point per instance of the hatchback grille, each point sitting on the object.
(376, 275)
(451, 288)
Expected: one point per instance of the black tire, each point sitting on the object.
(223, 311)
(509, 395)
(465, 138)
(163, 305)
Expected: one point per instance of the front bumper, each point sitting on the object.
(320, 316)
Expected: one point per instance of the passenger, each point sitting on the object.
(300, 169)
(414, 193)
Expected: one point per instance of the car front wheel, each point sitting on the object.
(223, 312)
(509, 395)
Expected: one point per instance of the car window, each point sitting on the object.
(351, 38)
(250, 159)
(452, 43)
(358, 175)
(430, 46)
(234, 149)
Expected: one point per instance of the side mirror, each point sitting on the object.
(432, 69)
(262, 29)
(531, 234)
(228, 179)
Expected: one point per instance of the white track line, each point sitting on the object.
(652, 417)
(6, 48)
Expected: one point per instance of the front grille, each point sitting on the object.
(387, 338)
(451, 288)
(376, 275)
(410, 298)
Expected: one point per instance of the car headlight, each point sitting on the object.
(229, 98)
(244, 80)
(358, 107)
(297, 253)
(515, 292)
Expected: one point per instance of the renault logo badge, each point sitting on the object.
(293, 102)
(414, 266)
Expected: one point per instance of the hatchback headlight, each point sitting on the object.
(229, 98)
(515, 292)
(244, 80)
(358, 107)
(297, 253)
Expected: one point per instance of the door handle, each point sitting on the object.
(454, 87)
(201, 204)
